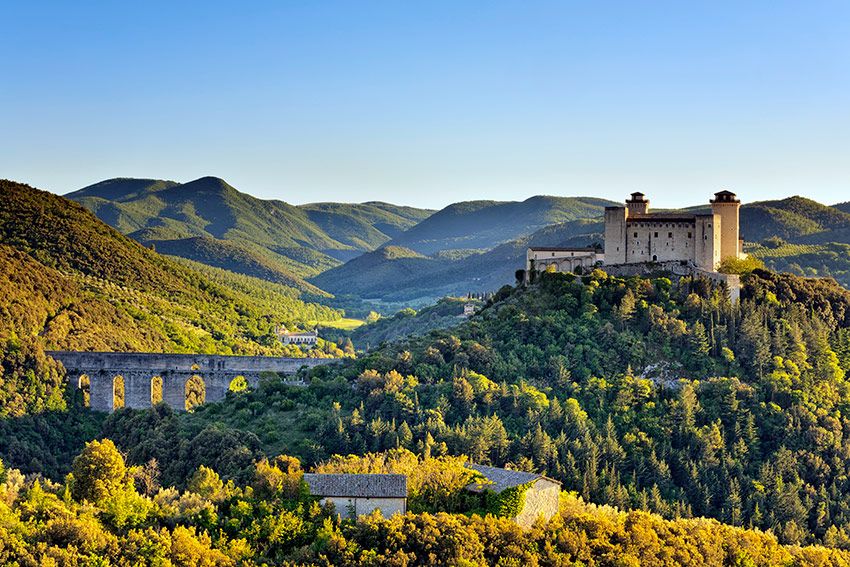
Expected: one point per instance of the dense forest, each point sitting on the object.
(108, 513)
(642, 394)
(657, 400)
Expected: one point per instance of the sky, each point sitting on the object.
(432, 102)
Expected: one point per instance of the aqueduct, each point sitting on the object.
(138, 380)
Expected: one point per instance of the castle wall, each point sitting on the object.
(708, 242)
(615, 235)
(563, 261)
(660, 240)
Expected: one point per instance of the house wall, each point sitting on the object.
(541, 499)
(364, 506)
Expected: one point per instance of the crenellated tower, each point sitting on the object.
(727, 207)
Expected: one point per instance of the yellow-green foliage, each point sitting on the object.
(274, 521)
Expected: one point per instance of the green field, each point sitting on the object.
(344, 324)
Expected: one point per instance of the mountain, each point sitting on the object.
(793, 219)
(289, 241)
(396, 276)
(71, 281)
(486, 224)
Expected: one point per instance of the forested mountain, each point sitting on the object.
(482, 225)
(69, 281)
(638, 393)
(794, 234)
(191, 220)
(401, 276)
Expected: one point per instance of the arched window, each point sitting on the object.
(84, 384)
(156, 390)
(196, 392)
(117, 392)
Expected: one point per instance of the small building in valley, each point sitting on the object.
(356, 495)
(540, 495)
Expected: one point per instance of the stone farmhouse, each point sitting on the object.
(356, 495)
(542, 497)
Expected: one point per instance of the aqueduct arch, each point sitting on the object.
(148, 377)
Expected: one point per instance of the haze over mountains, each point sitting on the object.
(394, 255)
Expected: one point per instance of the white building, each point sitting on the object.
(634, 235)
(542, 497)
(563, 260)
(306, 338)
(356, 495)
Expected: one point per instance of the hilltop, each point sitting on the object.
(291, 241)
(477, 225)
(74, 282)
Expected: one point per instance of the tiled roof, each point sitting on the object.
(502, 478)
(358, 485)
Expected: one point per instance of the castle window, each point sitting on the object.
(690, 235)
(669, 235)
(635, 235)
(656, 235)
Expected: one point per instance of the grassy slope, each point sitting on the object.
(78, 283)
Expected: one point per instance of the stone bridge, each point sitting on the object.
(111, 380)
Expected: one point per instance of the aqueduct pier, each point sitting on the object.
(137, 380)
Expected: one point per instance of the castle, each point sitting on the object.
(634, 236)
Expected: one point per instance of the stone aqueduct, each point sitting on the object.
(144, 375)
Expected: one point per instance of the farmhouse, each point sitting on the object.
(355, 495)
(541, 494)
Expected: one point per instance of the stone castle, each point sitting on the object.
(636, 237)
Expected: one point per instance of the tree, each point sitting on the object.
(98, 471)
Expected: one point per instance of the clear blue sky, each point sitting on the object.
(427, 103)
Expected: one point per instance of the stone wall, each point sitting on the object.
(345, 506)
(542, 499)
(677, 270)
(138, 370)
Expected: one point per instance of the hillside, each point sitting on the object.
(402, 276)
(642, 394)
(293, 241)
(486, 224)
(74, 282)
(816, 236)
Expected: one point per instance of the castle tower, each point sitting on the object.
(638, 204)
(615, 234)
(727, 206)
